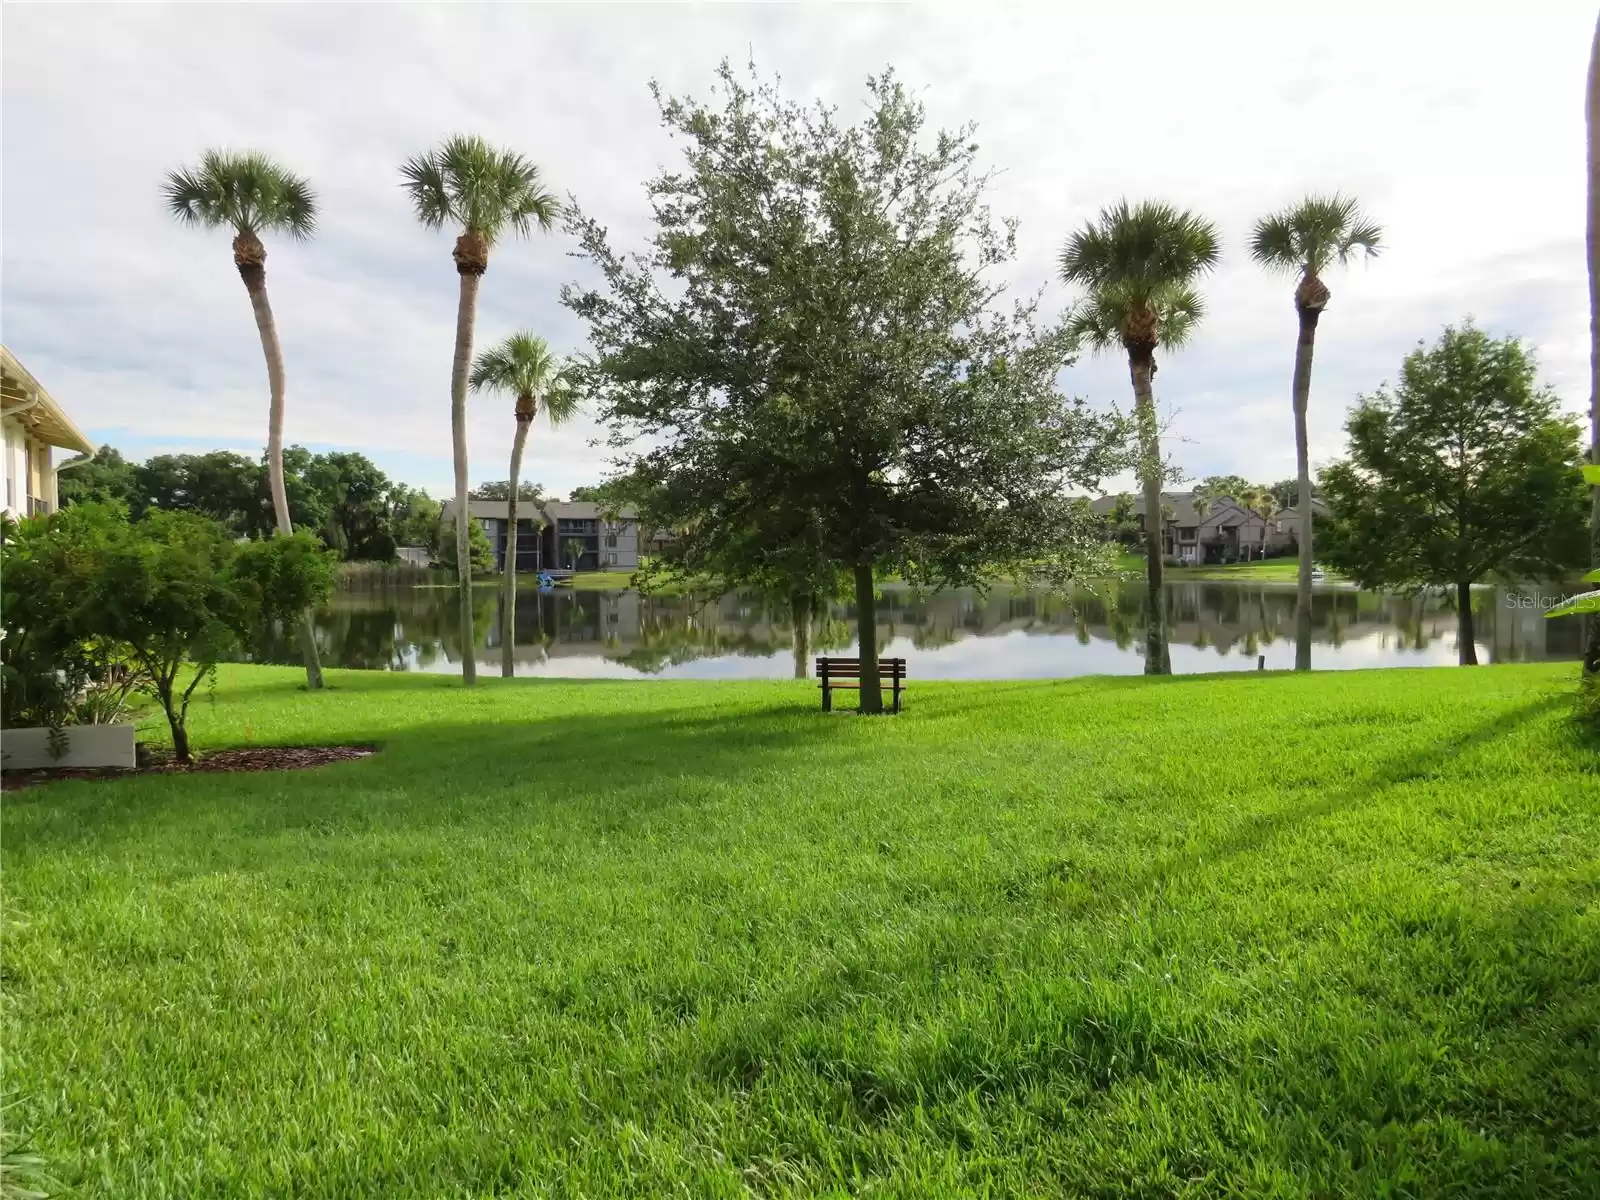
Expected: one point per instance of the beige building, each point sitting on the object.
(35, 426)
(559, 535)
(1223, 531)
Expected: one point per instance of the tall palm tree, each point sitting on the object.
(1306, 240)
(1591, 654)
(466, 183)
(251, 194)
(523, 366)
(1137, 265)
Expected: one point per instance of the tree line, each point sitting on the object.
(813, 371)
(343, 498)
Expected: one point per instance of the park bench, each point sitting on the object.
(846, 673)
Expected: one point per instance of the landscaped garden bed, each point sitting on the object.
(266, 758)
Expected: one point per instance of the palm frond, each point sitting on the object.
(1178, 310)
(191, 198)
(562, 401)
(1140, 247)
(1315, 233)
(1095, 323)
(523, 365)
(246, 190)
(422, 176)
(467, 182)
(1273, 245)
(494, 370)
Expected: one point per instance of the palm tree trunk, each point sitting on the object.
(867, 639)
(255, 282)
(1466, 636)
(466, 318)
(509, 624)
(1302, 457)
(1591, 652)
(800, 610)
(1157, 657)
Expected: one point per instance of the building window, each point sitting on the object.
(611, 540)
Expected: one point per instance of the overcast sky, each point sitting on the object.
(1460, 127)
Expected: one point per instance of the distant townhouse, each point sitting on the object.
(1223, 531)
(34, 426)
(1287, 520)
(558, 535)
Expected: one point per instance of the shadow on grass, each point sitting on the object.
(1253, 833)
(594, 767)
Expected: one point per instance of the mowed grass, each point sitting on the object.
(1210, 936)
(1268, 570)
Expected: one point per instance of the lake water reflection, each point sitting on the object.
(945, 635)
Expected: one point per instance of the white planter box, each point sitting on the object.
(87, 746)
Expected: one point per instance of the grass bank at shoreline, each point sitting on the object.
(1251, 935)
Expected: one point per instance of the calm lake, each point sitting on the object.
(1004, 634)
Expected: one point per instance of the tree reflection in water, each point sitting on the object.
(404, 627)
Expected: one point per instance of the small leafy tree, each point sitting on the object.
(51, 673)
(169, 596)
(482, 560)
(1465, 468)
(280, 578)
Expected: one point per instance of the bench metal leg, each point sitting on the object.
(827, 697)
(897, 696)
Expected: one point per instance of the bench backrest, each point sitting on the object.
(850, 668)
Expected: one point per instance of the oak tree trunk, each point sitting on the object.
(508, 626)
(1466, 636)
(1303, 350)
(867, 639)
(800, 610)
(466, 317)
(1157, 656)
(255, 282)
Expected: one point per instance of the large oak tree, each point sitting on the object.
(812, 368)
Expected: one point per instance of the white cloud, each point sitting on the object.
(1465, 137)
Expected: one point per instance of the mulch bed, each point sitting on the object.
(264, 758)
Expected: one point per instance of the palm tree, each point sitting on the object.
(1137, 265)
(251, 194)
(1261, 501)
(465, 182)
(1591, 653)
(523, 366)
(1306, 240)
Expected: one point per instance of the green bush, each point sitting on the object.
(482, 553)
(97, 607)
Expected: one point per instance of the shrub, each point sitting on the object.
(90, 596)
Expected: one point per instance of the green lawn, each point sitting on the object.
(1243, 935)
(1272, 570)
